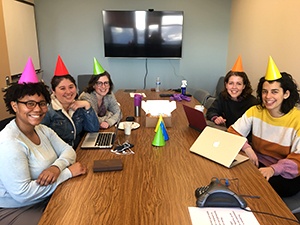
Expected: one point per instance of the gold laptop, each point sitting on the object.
(220, 146)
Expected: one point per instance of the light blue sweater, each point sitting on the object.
(22, 161)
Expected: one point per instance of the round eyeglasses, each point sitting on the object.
(32, 104)
(105, 83)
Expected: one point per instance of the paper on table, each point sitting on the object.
(221, 216)
(133, 93)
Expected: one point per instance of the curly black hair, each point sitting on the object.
(286, 83)
(17, 91)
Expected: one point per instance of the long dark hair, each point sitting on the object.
(246, 91)
(286, 83)
(93, 80)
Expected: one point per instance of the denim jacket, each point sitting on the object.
(70, 126)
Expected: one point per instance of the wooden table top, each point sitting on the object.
(157, 184)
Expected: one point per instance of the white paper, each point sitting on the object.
(133, 93)
(221, 216)
(157, 107)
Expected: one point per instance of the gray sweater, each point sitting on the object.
(113, 113)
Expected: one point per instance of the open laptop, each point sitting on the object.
(100, 140)
(220, 146)
(197, 120)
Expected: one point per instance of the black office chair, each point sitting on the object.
(4, 122)
(82, 81)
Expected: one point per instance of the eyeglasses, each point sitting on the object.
(105, 83)
(32, 104)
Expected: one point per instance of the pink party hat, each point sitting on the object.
(29, 74)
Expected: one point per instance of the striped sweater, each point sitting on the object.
(276, 141)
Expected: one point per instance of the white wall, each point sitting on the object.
(262, 28)
(73, 29)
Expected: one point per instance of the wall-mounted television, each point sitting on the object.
(142, 34)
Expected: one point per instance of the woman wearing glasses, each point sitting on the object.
(99, 94)
(68, 117)
(34, 159)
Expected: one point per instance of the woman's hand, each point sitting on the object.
(267, 172)
(48, 176)
(80, 104)
(252, 156)
(104, 125)
(220, 120)
(77, 169)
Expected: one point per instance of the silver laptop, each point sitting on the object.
(220, 146)
(100, 140)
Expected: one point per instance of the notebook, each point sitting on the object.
(195, 118)
(107, 165)
(220, 146)
(100, 140)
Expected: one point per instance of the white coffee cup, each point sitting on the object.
(127, 128)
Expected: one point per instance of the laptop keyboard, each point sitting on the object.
(104, 139)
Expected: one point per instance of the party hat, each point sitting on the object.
(160, 119)
(98, 69)
(29, 74)
(238, 66)
(159, 139)
(272, 71)
(164, 131)
(61, 69)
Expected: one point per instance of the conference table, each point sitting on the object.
(157, 184)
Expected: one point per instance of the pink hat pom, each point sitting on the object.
(28, 75)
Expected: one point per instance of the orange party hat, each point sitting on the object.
(238, 66)
(60, 69)
(29, 74)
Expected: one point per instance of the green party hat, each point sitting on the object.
(159, 139)
(98, 69)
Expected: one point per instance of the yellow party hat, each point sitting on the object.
(272, 71)
(160, 119)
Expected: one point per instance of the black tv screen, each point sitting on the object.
(145, 34)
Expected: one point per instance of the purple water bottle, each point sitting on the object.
(137, 104)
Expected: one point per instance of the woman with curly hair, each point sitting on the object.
(275, 127)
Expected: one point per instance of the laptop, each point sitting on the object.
(220, 146)
(197, 120)
(100, 140)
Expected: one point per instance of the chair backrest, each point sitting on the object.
(220, 86)
(209, 101)
(4, 122)
(201, 95)
(82, 81)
